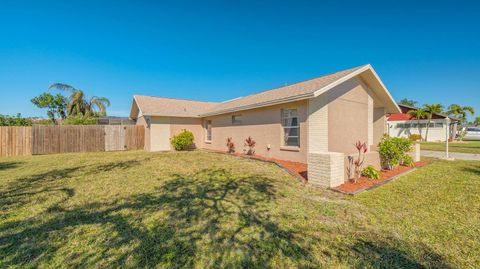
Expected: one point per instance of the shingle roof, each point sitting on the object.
(292, 90)
(160, 106)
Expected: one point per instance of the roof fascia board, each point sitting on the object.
(259, 105)
(356, 73)
(173, 115)
(135, 102)
(339, 81)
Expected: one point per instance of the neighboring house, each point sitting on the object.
(404, 125)
(324, 115)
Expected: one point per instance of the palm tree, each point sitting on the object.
(418, 114)
(460, 112)
(477, 121)
(431, 109)
(407, 102)
(78, 104)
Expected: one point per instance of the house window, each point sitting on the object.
(438, 125)
(208, 130)
(291, 127)
(237, 119)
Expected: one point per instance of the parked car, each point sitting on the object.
(473, 133)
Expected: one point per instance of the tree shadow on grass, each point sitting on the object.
(9, 165)
(209, 219)
(472, 169)
(116, 165)
(391, 253)
(23, 190)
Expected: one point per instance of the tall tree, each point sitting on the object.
(79, 105)
(408, 102)
(460, 112)
(476, 121)
(418, 114)
(431, 109)
(55, 104)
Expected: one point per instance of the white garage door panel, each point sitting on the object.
(159, 134)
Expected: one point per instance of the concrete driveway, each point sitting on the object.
(456, 155)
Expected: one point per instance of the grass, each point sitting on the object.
(198, 210)
(464, 147)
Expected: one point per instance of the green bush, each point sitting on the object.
(80, 120)
(18, 120)
(407, 160)
(183, 140)
(415, 137)
(393, 150)
(371, 172)
(403, 144)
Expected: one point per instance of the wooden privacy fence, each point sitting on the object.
(42, 139)
(15, 141)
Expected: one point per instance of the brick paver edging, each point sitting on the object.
(378, 184)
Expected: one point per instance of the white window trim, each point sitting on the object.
(206, 131)
(283, 118)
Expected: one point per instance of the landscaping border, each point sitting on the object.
(259, 158)
(380, 183)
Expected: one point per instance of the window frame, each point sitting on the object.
(206, 124)
(237, 121)
(284, 127)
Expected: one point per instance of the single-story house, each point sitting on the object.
(404, 125)
(316, 121)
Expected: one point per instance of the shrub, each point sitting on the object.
(393, 150)
(415, 137)
(18, 120)
(407, 160)
(371, 172)
(80, 120)
(183, 140)
(250, 143)
(403, 144)
(230, 145)
(362, 149)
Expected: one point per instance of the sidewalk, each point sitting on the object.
(456, 155)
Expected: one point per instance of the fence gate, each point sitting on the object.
(124, 137)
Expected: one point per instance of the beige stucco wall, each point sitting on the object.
(159, 133)
(193, 125)
(379, 123)
(264, 126)
(348, 119)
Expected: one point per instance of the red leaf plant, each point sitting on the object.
(362, 149)
(250, 143)
(230, 145)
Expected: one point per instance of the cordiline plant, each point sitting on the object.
(230, 145)
(362, 149)
(250, 143)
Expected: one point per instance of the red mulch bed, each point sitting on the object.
(295, 168)
(365, 183)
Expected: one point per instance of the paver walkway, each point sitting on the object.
(456, 155)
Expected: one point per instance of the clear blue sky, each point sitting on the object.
(427, 51)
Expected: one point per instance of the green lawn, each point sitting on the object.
(464, 147)
(198, 209)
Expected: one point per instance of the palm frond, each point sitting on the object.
(63, 87)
